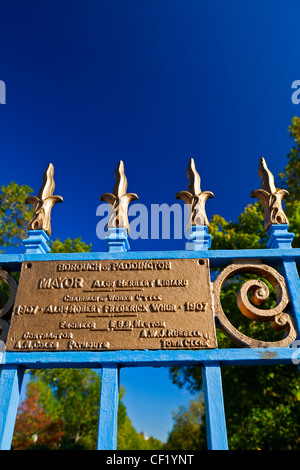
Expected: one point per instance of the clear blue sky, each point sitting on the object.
(151, 82)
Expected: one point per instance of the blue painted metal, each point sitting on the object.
(163, 358)
(108, 413)
(280, 237)
(279, 254)
(37, 242)
(293, 285)
(218, 258)
(10, 389)
(117, 240)
(214, 407)
(199, 238)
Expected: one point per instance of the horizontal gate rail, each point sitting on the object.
(13, 364)
(216, 257)
(159, 358)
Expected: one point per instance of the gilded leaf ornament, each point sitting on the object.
(195, 198)
(119, 200)
(43, 203)
(270, 197)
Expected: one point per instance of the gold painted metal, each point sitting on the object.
(12, 284)
(119, 200)
(270, 197)
(43, 203)
(113, 305)
(259, 294)
(195, 198)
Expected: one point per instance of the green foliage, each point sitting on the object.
(261, 403)
(128, 438)
(290, 177)
(14, 218)
(262, 406)
(68, 399)
(188, 432)
(246, 233)
(14, 213)
(34, 428)
(71, 396)
(75, 245)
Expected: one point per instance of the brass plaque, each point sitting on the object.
(113, 305)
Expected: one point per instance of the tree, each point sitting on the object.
(70, 246)
(261, 403)
(71, 396)
(14, 213)
(188, 432)
(289, 179)
(34, 428)
(61, 411)
(128, 438)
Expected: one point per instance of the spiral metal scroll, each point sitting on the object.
(12, 284)
(259, 294)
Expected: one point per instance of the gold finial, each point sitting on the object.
(195, 198)
(43, 204)
(119, 200)
(270, 197)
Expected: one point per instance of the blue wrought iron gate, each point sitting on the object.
(278, 263)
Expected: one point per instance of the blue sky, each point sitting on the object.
(153, 83)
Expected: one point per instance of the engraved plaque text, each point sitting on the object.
(113, 305)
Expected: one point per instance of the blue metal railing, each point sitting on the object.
(13, 364)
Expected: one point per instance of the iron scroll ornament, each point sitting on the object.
(259, 294)
(12, 284)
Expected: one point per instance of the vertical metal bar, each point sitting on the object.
(10, 389)
(293, 284)
(214, 407)
(108, 413)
